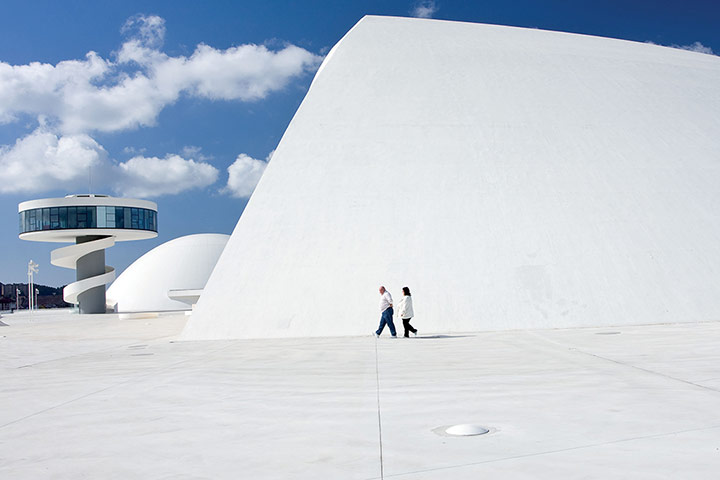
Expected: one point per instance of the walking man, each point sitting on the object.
(386, 303)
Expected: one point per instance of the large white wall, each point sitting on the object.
(184, 263)
(512, 178)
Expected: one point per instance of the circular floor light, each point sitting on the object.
(466, 430)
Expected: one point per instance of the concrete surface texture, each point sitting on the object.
(512, 178)
(118, 397)
(179, 264)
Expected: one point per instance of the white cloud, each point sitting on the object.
(424, 9)
(152, 176)
(96, 94)
(244, 175)
(247, 72)
(695, 47)
(191, 151)
(43, 161)
(41, 89)
(147, 29)
(133, 150)
(129, 90)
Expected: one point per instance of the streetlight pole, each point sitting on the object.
(32, 269)
(30, 284)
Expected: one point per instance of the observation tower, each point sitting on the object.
(93, 223)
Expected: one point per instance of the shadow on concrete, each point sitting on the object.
(431, 337)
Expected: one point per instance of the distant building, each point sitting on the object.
(6, 303)
(10, 289)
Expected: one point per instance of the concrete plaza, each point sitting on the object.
(119, 397)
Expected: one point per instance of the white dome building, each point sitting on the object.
(171, 276)
(512, 178)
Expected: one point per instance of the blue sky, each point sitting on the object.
(203, 91)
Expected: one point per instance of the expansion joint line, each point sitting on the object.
(114, 385)
(628, 365)
(377, 383)
(653, 372)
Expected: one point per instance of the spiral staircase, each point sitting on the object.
(67, 257)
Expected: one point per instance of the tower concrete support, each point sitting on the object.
(92, 265)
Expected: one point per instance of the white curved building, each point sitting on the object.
(169, 277)
(512, 178)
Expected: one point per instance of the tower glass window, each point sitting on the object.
(101, 217)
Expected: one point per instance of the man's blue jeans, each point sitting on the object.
(386, 318)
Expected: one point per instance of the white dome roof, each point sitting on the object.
(184, 263)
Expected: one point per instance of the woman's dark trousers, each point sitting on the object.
(408, 328)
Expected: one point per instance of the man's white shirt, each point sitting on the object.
(385, 301)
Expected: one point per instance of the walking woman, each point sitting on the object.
(406, 312)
